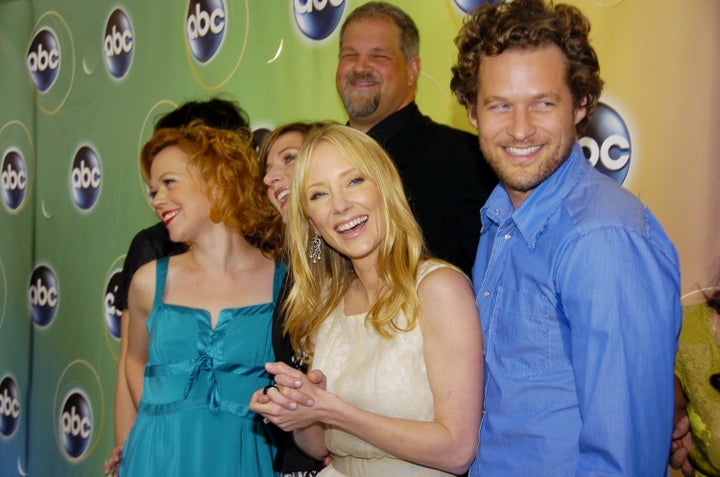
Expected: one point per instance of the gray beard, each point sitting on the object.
(360, 107)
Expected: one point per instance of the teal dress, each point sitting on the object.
(193, 418)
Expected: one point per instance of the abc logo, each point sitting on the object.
(43, 295)
(43, 59)
(606, 143)
(76, 424)
(205, 28)
(9, 406)
(118, 43)
(85, 178)
(470, 5)
(317, 19)
(14, 179)
(112, 314)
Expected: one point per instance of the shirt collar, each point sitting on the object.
(383, 131)
(535, 211)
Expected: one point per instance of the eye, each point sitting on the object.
(168, 182)
(316, 195)
(544, 105)
(288, 158)
(499, 107)
(356, 181)
(152, 194)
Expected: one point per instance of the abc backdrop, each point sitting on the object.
(83, 82)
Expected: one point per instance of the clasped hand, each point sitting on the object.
(293, 402)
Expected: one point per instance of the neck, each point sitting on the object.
(364, 124)
(368, 280)
(224, 251)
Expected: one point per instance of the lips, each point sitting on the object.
(282, 195)
(351, 224)
(168, 216)
(522, 151)
(364, 80)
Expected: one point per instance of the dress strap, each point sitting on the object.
(161, 268)
(278, 279)
(426, 267)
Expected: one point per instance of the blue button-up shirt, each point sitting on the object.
(579, 298)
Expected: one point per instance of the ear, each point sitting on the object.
(414, 69)
(581, 110)
(472, 114)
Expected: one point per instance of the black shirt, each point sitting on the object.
(445, 177)
(149, 244)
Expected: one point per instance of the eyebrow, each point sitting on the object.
(343, 174)
(536, 97)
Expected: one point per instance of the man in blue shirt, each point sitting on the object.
(576, 282)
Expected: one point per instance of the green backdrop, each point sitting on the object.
(82, 81)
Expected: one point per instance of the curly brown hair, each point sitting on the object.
(227, 164)
(528, 24)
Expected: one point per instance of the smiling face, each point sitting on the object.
(177, 195)
(373, 78)
(525, 116)
(344, 205)
(278, 169)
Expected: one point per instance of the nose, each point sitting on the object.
(158, 199)
(270, 176)
(361, 64)
(340, 203)
(521, 125)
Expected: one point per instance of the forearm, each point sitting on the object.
(134, 373)
(430, 443)
(125, 411)
(311, 440)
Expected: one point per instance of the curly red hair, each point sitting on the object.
(227, 164)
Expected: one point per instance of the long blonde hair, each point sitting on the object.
(319, 287)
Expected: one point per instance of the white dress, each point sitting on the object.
(380, 375)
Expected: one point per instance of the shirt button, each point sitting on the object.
(486, 293)
(507, 236)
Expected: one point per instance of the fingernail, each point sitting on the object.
(293, 406)
(298, 383)
(310, 402)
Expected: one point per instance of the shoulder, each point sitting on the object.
(445, 132)
(696, 318)
(599, 202)
(437, 278)
(144, 276)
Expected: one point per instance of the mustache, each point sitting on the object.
(367, 76)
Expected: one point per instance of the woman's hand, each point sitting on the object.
(289, 403)
(113, 462)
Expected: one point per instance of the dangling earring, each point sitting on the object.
(315, 252)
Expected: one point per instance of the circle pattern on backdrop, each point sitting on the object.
(79, 377)
(54, 98)
(15, 135)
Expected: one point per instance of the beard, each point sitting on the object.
(360, 104)
(525, 179)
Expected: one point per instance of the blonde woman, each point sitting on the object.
(395, 332)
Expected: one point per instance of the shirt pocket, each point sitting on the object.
(521, 333)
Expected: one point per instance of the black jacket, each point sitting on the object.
(445, 177)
